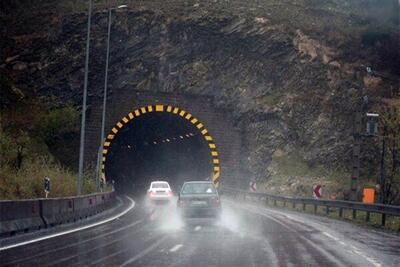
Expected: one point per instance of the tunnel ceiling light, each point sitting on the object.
(129, 146)
(155, 142)
(187, 135)
(191, 134)
(167, 140)
(181, 136)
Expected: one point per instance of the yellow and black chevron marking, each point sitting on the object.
(170, 109)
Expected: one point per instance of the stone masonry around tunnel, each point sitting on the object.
(198, 110)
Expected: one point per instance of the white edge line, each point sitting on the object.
(131, 206)
(175, 248)
(373, 261)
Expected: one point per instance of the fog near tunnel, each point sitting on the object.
(157, 146)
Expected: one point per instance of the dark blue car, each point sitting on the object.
(199, 199)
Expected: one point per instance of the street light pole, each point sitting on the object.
(103, 118)
(83, 121)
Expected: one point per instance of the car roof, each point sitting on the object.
(198, 182)
(159, 182)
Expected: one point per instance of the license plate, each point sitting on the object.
(199, 203)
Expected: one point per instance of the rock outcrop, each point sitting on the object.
(289, 71)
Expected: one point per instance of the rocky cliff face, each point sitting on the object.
(291, 71)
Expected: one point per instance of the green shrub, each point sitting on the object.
(57, 122)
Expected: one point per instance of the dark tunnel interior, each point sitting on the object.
(157, 146)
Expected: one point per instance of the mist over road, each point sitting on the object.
(246, 235)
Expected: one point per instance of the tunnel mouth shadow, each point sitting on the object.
(158, 146)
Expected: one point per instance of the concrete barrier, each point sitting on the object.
(27, 215)
(57, 211)
(20, 216)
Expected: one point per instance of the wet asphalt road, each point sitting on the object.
(245, 236)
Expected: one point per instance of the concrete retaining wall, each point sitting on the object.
(33, 214)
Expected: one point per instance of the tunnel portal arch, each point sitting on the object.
(190, 118)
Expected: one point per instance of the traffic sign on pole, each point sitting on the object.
(253, 186)
(317, 191)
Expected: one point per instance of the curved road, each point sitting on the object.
(247, 235)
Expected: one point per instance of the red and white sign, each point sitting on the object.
(253, 186)
(317, 191)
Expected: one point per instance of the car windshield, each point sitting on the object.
(198, 188)
(159, 185)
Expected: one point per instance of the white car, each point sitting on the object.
(160, 191)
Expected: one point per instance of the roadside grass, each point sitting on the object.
(37, 139)
(375, 219)
(28, 181)
(292, 175)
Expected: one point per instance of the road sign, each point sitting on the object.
(253, 186)
(317, 191)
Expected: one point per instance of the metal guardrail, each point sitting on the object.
(341, 205)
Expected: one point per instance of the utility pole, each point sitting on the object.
(82, 141)
(356, 156)
(357, 135)
(382, 181)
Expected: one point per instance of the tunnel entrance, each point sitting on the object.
(159, 143)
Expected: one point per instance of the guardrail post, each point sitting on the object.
(383, 219)
(330, 205)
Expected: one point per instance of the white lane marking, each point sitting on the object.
(197, 228)
(176, 248)
(144, 252)
(131, 206)
(290, 217)
(330, 236)
(371, 260)
(76, 244)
